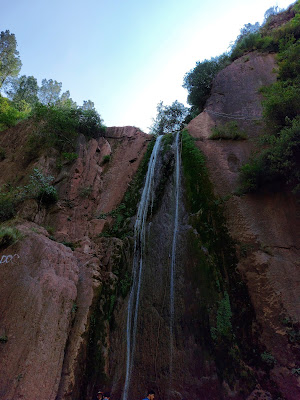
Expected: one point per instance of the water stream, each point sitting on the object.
(137, 269)
(173, 253)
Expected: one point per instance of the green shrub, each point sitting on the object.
(198, 81)
(268, 359)
(60, 126)
(56, 126)
(8, 236)
(7, 206)
(3, 339)
(276, 165)
(70, 156)
(224, 314)
(106, 159)
(228, 131)
(282, 103)
(9, 115)
(247, 43)
(40, 188)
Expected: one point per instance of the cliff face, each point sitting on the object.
(263, 225)
(48, 291)
(64, 285)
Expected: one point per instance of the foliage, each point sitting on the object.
(224, 314)
(9, 115)
(276, 165)
(90, 123)
(59, 126)
(167, 141)
(198, 81)
(65, 101)
(49, 91)
(8, 236)
(224, 306)
(3, 339)
(10, 63)
(38, 188)
(106, 159)
(70, 157)
(270, 12)
(23, 92)
(168, 118)
(268, 358)
(265, 39)
(88, 105)
(227, 131)
(281, 104)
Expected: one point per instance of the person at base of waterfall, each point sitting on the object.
(100, 395)
(150, 395)
(106, 396)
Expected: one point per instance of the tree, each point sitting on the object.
(10, 63)
(169, 118)
(49, 91)
(88, 105)
(22, 91)
(198, 81)
(65, 101)
(271, 11)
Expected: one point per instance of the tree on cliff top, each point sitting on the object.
(23, 91)
(169, 118)
(198, 81)
(10, 63)
(49, 91)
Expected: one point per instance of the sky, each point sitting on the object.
(125, 55)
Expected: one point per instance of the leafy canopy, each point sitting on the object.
(198, 81)
(23, 91)
(10, 63)
(169, 118)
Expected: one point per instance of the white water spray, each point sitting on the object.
(174, 242)
(137, 268)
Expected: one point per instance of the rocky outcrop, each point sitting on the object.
(50, 289)
(264, 225)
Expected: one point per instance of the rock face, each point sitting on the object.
(264, 225)
(64, 285)
(48, 290)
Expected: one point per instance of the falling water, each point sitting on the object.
(173, 254)
(137, 268)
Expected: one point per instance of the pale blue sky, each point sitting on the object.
(124, 55)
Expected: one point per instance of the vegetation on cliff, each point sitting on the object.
(226, 313)
(275, 165)
(58, 119)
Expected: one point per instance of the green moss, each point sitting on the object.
(226, 313)
(167, 141)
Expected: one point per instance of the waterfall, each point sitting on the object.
(173, 254)
(137, 268)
